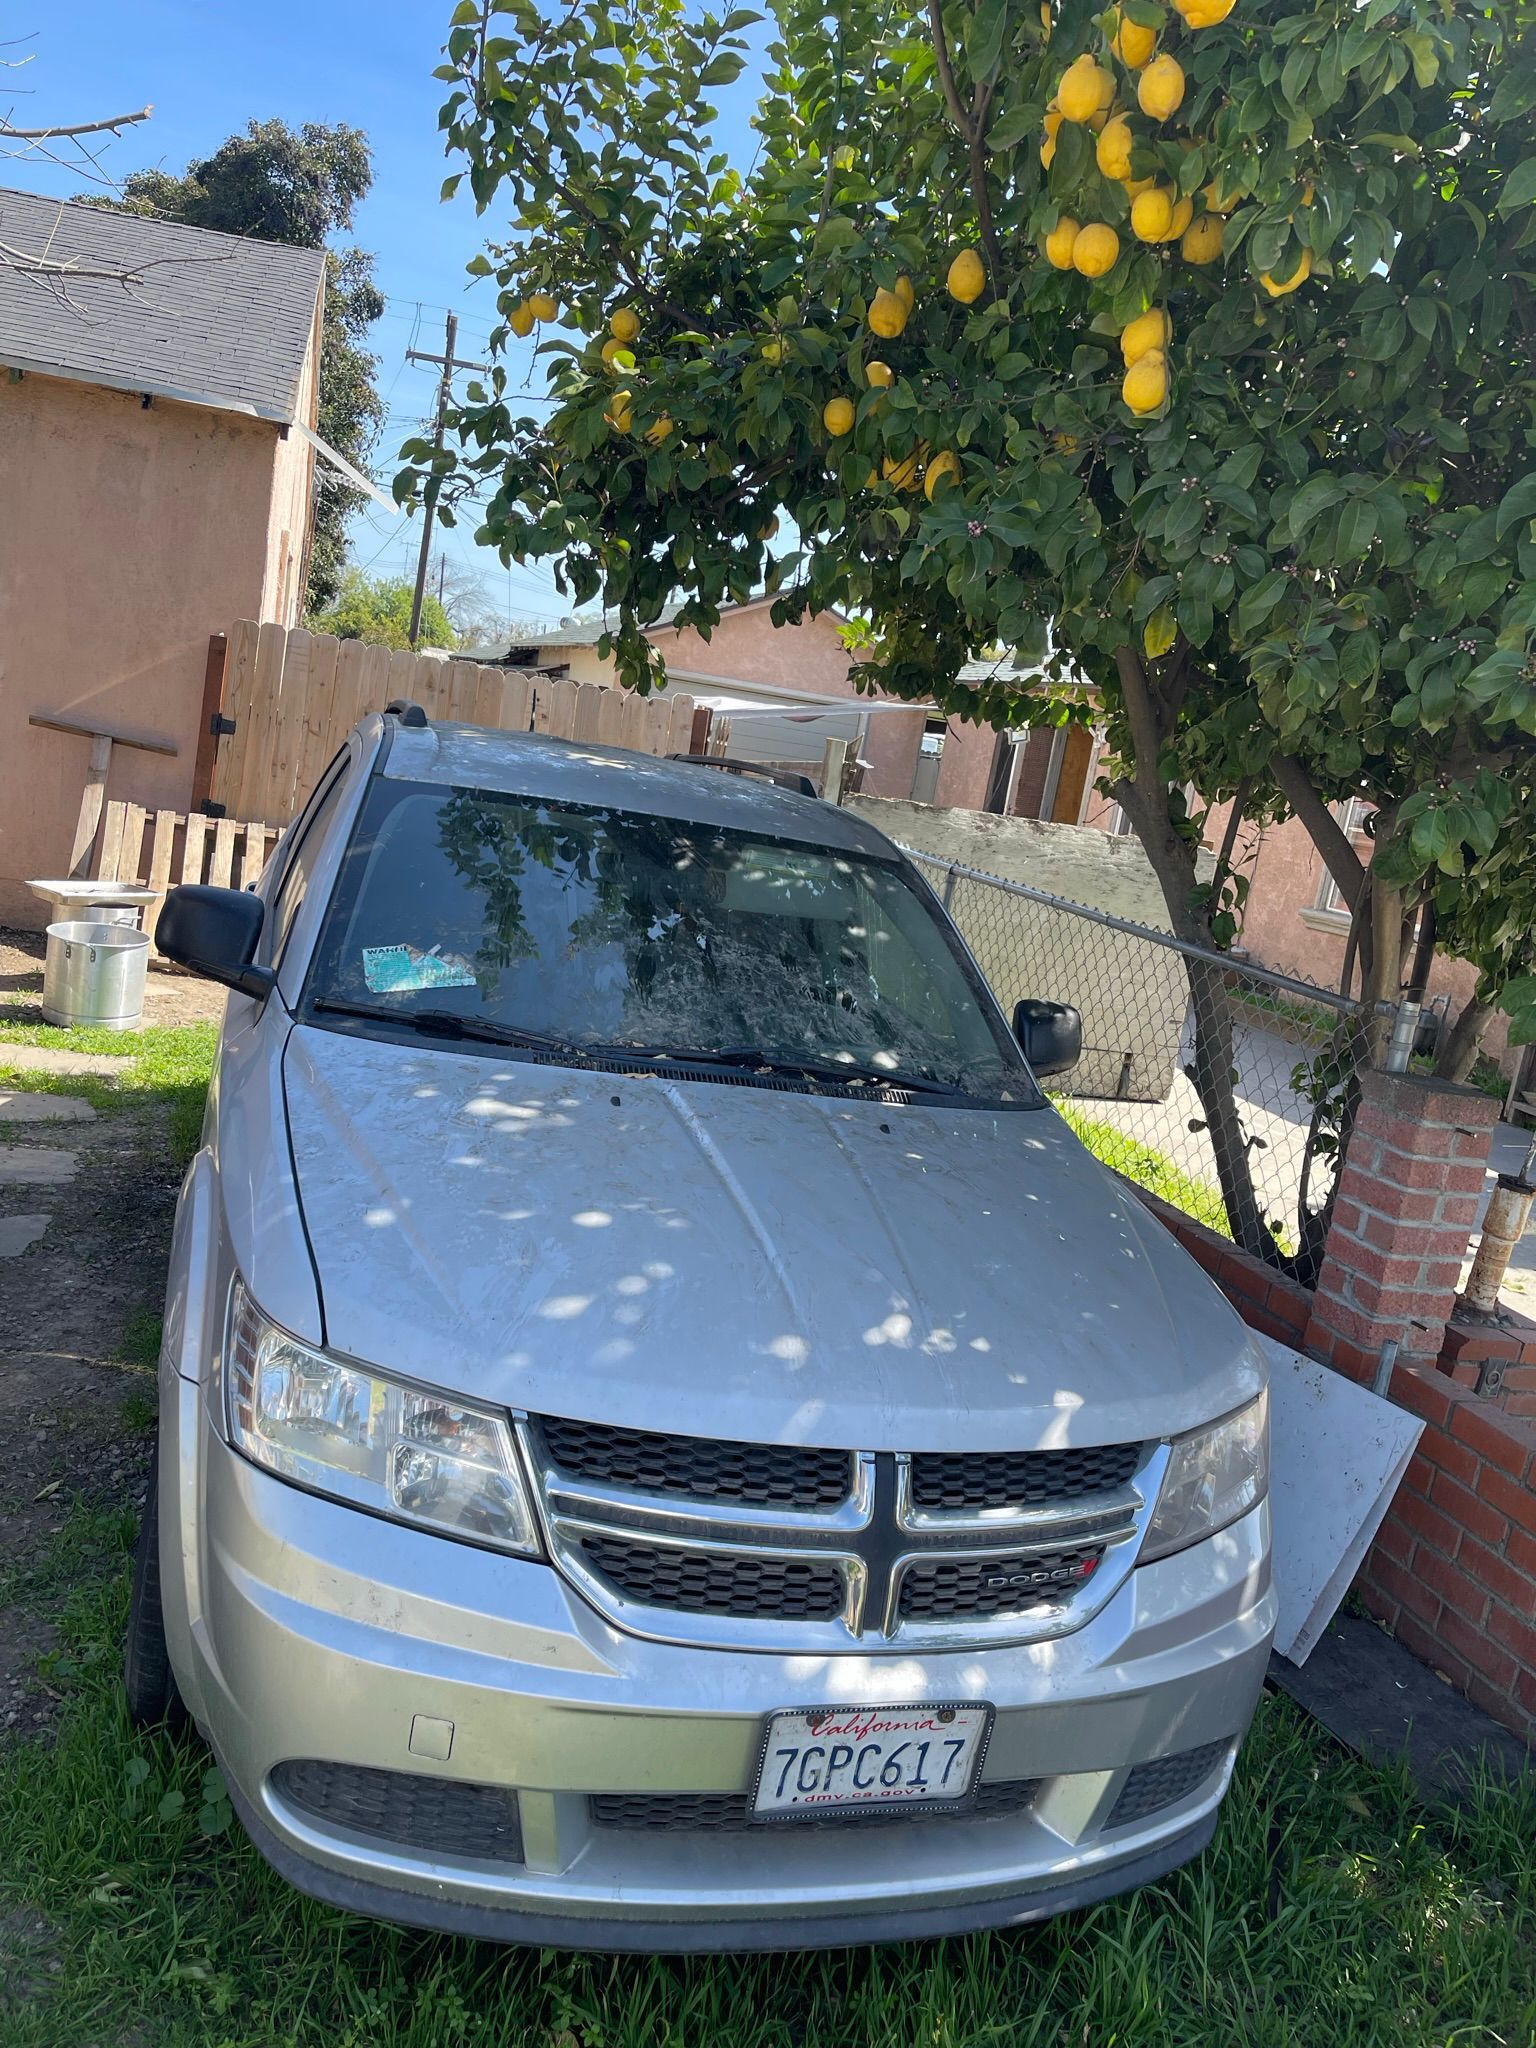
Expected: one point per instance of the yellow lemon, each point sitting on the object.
(1064, 444)
(1053, 120)
(1084, 89)
(520, 320)
(1160, 88)
(872, 481)
(1204, 13)
(1160, 632)
(1096, 249)
(1134, 187)
(1150, 330)
(1152, 214)
(1060, 241)
(944, 468)
(887, 314)
(1112, 151)
(1218, 201)
(903, 473)
(1145, 384)
(658, 431)
(1132, 43)
(769, 528)
(543, 307)
(616, 355)
(1045, 16)
(775, 350)
(1202, 240)
(620, 413)
(837, 415)
(879, 375)
(1183, 214)
(1299, 276)
(1096, 120)
(904, 292)
(623, 323)
(967, 278)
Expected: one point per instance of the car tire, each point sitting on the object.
(148, 1678)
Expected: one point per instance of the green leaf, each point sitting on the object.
(1519, 187)
(1357, 528)
(1518, 504)
(451, 185)
(465, 15)
(1255, 605)
(479, 266)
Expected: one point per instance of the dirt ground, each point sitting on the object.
(76, 1388)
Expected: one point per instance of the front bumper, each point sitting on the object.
(301, 1629)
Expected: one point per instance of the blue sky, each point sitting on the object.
(210, 67)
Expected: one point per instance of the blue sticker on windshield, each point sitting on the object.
(397, 970)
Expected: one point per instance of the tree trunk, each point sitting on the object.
(1462, 1043)
(1144, 797)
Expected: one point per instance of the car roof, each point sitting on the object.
(533, 764)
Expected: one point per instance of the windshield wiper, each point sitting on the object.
(439, 1023)
(848, 1075)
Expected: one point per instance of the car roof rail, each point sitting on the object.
(786, 778)
(410, 714)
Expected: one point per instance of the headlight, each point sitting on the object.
(345, 1430)
(1214, 1475)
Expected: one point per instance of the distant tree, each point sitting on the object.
(298, 186)
(377, 609)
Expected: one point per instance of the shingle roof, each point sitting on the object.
(208, 318)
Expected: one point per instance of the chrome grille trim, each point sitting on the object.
(867, 1530)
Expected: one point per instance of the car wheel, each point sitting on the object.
(147, 1674)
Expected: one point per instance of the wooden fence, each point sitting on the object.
(160, 849)
(289, 699)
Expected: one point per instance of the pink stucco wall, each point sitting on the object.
(145, 530)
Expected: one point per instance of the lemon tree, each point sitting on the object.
(1215, 322)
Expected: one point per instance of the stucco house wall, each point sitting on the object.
(293, 487)
(95, 625)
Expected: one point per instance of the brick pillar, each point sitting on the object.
(1402, 1221)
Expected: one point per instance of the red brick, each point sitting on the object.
(1349, 1322)
(1425, 1393)
(1448, 1453)
(1426, 1520)
(1348, 1216)
(1480, 1518)
(1489, 1435)
(1477, 1648)
(1462, 1596)
(1466, 1372)
(1508, 1496)
(1400, 1170)
(1444, 1275)
(1482, 1343)
(1382, 1268)
(1457, 1211)
(1517, 1589)
(1521, 1552)
(1406, 1304)
(1403, 1586)
(1516, 1633)
(1525, 1693)
(1493, 1699)
(1424, 1641)
(1514, 1401)
(1394, 1539)
(1470, 1145)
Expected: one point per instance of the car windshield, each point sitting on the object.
(576, 929)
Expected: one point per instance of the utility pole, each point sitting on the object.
(450, 362)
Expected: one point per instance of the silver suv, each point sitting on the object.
(667, 1441)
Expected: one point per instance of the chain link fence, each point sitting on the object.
(1224, 1088)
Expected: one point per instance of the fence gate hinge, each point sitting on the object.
(210, 809)
(1490, 1375)
(220, 725)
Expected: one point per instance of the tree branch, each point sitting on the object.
(1324, 829)
(116, 121)
(952, 99)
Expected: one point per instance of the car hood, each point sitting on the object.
(744, 1262)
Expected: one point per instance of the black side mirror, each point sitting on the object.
(1051, 1035)
(214, 932)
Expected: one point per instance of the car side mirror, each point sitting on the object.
(214, 932)
(1050, 1035)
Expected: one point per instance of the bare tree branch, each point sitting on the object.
(1327, 835)
(952, 100)
(114, 122)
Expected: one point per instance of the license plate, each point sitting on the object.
(851, 1759)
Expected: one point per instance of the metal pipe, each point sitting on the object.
(1384, 1365)
(1405, 1029)
(1326, 998)
(1509, 1210)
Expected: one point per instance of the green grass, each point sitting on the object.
(1331, 1912)
(1150, 1169)
(171, 1064)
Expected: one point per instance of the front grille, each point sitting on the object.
(1164, 1781)
(953, 1587)
(958, 1480)
(438, 1817)
(717, 1581)
(700, 1468)
(731, 1812)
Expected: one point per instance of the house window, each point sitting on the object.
(1351, 817)
(930, 755)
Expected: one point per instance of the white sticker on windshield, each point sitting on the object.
(397, 970)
